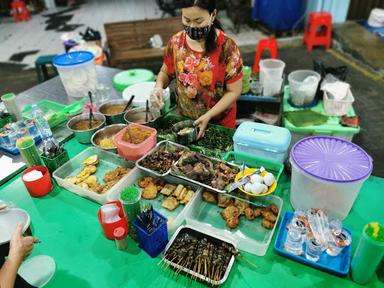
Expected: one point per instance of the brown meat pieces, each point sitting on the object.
(267, 224)
(249, 214)
(231, 216)
(241, 205)
(209, 197)
(224, 201)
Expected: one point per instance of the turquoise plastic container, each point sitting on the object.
(262, 140)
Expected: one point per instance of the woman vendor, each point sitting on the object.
(206, 65)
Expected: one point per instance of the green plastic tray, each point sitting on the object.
(55, 113)
(331, 127)
(251, 161)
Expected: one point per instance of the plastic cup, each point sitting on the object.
(132, 209)
(367, 257)
(28, 151)
(39, 187)
(10, 103)
(271, 74)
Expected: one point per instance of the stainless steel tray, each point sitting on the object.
(192, 273)
(157, 147)
(214, 161)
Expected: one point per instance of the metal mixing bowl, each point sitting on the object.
(113, 118)
(84, 136)
(107, 132)
(137, 115)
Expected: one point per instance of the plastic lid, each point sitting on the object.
(127, 78)
(119, 233)
(142, 92)
(73, 58)
(8, 97)
(38, 270)
(331, 159)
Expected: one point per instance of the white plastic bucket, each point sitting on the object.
(271, 76)
(335, 198)
(302, 93)
(77, 73)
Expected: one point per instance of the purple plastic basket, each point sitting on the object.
(156, 241)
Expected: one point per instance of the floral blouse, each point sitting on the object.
(201, 77)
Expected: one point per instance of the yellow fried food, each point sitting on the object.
(170, 203)
(150, 192)
(107, 143)
(145, 181)
(92, 160)
(91, 180)
(71, 179)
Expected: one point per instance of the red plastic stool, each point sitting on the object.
(264, 44)
(318, 30)
(20, 11)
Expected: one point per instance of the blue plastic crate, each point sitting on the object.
(338, 265)
(155, 242)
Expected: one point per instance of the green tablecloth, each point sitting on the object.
(69, 231)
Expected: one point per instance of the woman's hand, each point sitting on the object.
(20, 246)
(157, 98)
(202, 124)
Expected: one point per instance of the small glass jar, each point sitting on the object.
(121, 238)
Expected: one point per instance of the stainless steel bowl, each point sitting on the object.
(137, 115)
(84, 136)
(106, 132)
(113, 118)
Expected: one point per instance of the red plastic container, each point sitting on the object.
(134, 152)
(41, 186)
(109, 228)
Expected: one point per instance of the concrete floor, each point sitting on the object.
(17, 76)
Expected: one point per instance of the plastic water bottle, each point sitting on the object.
(41, 123)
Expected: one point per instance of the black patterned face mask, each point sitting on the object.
(197, 33)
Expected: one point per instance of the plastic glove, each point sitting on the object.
(157, 98)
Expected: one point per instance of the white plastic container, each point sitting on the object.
(262, 140)
(175, 217)
(142, 92)
(271, 76)
(249, 236)
(303, 93)
(107, 162)
(77, 72)
(335, 107)
(327, 173)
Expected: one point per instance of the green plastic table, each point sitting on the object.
(69, 231)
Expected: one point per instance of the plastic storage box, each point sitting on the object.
(107, 162)
(331, 128)
(157, 240)
(335, 107)
(175, 217)
(249, 236)
(262, 140)
(135, 151)
(327, 173)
